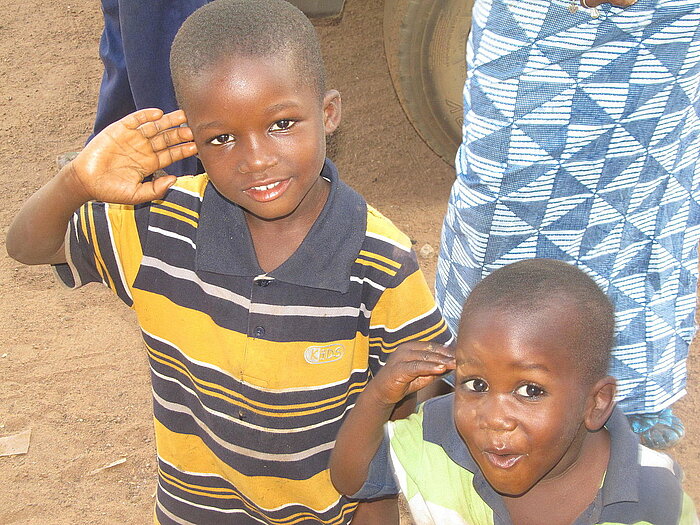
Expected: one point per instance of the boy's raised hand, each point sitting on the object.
(411, 367)
(112, 166)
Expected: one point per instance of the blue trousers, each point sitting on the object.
(135, 51)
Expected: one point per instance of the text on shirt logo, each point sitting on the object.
(316, 355)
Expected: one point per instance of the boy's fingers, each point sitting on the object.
(139, 118)
(167, 156)
(153, 190)
(417, 368)
(170, 137)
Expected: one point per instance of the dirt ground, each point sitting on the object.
(72, 368)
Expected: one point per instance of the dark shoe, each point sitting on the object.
(659, 430)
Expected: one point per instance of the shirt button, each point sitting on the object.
(263, 282)
(259, 331)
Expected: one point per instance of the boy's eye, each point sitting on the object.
(224, 138)
(282, 125)
(529, 391)
(476, 385)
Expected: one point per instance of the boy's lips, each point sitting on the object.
(502, 459)
(268, 191)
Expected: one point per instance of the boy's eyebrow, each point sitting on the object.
(515, 364)
(281, 106)
(530, 366)
(275, 108)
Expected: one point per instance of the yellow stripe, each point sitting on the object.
(174, 216)
(381, 258)
(374, 341)
(178, 207)
(188, 453)
(99, 260)
(377, 266)
(128, 243)
(247, 359)
(380, 225)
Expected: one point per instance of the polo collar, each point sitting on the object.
(324, 258)
(621, 479)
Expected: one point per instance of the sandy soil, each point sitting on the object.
(72, 367)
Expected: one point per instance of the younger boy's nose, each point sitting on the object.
(495, 416)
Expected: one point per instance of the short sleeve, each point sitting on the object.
(380, 477)
(405, 312)
(96, 243)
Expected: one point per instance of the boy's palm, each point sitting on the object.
(111, 168)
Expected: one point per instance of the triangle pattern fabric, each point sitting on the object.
(582, 143)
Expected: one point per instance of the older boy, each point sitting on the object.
(531, 434)
(267, 291)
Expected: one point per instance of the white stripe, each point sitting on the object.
(388, 240)
(407, 323)
(116, 256)
(269, 309)
(187, 192)
(174, 235)
(368, 281)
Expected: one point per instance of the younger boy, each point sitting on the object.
(267, 291)
(531, 434)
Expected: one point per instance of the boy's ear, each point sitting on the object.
(331, 111)
(600, 404)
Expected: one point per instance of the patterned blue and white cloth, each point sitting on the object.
(582, 143)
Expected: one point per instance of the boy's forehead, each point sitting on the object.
(559, 318)
(239, 69)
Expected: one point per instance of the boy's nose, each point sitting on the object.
(256, 157)
(495, 416)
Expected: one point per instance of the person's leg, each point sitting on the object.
(148, 30)
(115, 99)
(624, 213)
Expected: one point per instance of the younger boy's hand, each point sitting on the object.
(412, 366)
(114, 163)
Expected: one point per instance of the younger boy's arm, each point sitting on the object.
(111, 168)
(411, 367)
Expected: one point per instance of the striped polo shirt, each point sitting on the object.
(253, 372)
(425, 458)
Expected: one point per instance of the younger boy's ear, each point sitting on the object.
(600, 404)
(331, 111)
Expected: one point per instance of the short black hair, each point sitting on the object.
(225, 29)
(527, 285)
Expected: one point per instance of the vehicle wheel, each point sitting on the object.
(425, 43)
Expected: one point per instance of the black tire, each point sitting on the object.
(425, 43)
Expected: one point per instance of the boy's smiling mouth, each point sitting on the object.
(267, 192)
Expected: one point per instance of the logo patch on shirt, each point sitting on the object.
(317, 355)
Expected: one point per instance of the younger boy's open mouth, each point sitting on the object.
(502, 459)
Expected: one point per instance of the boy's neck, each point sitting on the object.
(560, 500)
(275, 241)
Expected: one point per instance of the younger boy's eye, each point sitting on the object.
(224, 138)
(476, 385)
(282, 125)
(529, 391)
